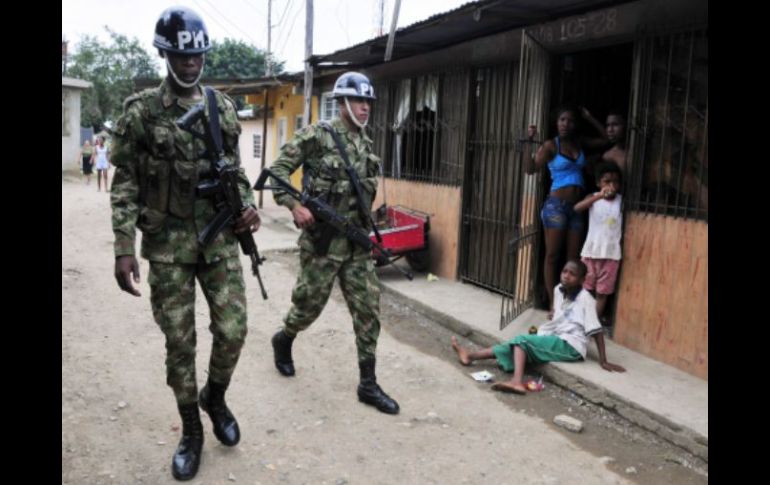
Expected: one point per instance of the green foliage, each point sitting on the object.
(111, 68)
(236, 59)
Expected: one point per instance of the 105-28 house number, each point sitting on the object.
(594, 24)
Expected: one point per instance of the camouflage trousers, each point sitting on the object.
(361, 290)
(172, 294)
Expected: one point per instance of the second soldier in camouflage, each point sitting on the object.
(325, 254)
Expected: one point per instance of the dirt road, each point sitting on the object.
(120, 425)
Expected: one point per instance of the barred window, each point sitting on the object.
(281, 131)
(257, 143)
(416, 130)
(671, 152)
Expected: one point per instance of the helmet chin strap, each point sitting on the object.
(182, 83)
(353, 117)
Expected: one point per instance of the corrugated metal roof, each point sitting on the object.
(467, 22)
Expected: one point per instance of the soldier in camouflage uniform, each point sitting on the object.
(157, 169)
(324, 253)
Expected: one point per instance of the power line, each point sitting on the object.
(212, 17)
(344, 28)
(230, 22)
(253, 7)
(283, 14)
(291, 28)
(281, 34)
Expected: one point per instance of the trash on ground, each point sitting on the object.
(533, 385)
(482, 376)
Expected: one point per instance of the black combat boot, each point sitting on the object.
(282, 353)
(187, 456)
(371, 393)
(212, 400)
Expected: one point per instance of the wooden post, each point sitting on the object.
(308, 91)
(392, 35)
(268, 60)
(264, 140)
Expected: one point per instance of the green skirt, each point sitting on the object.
(539, 349)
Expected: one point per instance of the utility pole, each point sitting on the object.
(308, 66)
(265, 91)
(392, 35)
(268, 61)
(265, 107)
(379, 17)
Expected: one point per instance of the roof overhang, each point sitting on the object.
(467, 22)
(233, 86)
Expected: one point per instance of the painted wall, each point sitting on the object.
(287, 103)
(70, 138)
(662, 306)
(252, 164)
(443, 203)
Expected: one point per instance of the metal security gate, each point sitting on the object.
(489, 202)
(668, 124)
(523, 259)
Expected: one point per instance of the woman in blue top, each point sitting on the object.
(566, 163)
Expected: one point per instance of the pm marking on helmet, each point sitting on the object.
(185, 36)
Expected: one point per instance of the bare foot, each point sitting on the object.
(507, 386)
(462, 354)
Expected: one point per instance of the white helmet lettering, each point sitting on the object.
(198, 40)
(183, 37)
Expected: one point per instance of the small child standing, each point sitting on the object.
(601, 251)
(562, 339)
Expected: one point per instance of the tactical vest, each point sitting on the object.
(169, 167)
(328, 179)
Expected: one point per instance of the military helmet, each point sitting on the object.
(353, 84)
(180, 30)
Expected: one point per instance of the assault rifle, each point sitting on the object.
(322, 211)
(222, 187)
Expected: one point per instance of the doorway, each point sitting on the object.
(600, 80)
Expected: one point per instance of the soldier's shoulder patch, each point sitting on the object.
(135, 110)
(143, 95)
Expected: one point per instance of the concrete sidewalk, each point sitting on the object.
(655, 396)
(658, 397)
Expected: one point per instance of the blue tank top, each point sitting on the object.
(566, 171)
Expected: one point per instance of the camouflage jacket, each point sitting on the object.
(314, 149)
(158, 167)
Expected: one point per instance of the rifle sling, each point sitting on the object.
(354, 180)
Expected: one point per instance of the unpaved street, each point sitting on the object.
(120, 424)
